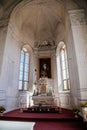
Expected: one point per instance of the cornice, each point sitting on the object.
(77, 17)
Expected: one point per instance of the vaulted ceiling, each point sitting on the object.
(41, 21)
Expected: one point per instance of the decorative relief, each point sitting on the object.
(77, 17)
(45, 45)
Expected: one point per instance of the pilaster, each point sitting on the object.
(79, 31)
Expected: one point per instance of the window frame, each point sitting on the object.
(23, 71)
(66, 78)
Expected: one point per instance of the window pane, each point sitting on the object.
(27, 59)
(21, 66)
(21, 75)
(25, 85)
(22, 52)
(26, 76)
(64, 74)
(65, 84)
(67, 73)
(64, 68)
(27, 54)
(62, 55)
(63, 65)
(68, 84)
(22, 57)
(26, 68)
(20, 85)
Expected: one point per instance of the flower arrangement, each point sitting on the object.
(75, 109)
(2, 109)
(83, 104)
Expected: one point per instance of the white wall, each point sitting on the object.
(3, 32)
(32, 70)
(10, 71)
(79, 30)
(72, 63)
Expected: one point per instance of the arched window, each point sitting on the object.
(64, 68)
(24, 70)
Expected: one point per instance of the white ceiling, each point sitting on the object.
(39, 21)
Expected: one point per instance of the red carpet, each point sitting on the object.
(47, 121)
(74, 125)
(16, 114)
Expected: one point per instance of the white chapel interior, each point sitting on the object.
(43, 53)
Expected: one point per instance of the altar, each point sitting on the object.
(43, 93)
(43, 100)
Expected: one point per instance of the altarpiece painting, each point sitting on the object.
(45, 67)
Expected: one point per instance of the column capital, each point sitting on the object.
(77, 17)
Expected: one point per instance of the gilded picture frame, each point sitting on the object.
(45, 67)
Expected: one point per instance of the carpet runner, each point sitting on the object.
(20, 115)
(47, 121)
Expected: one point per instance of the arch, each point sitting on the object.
(21, 20)
(60, 45)
(24, 68)
(62, 67)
